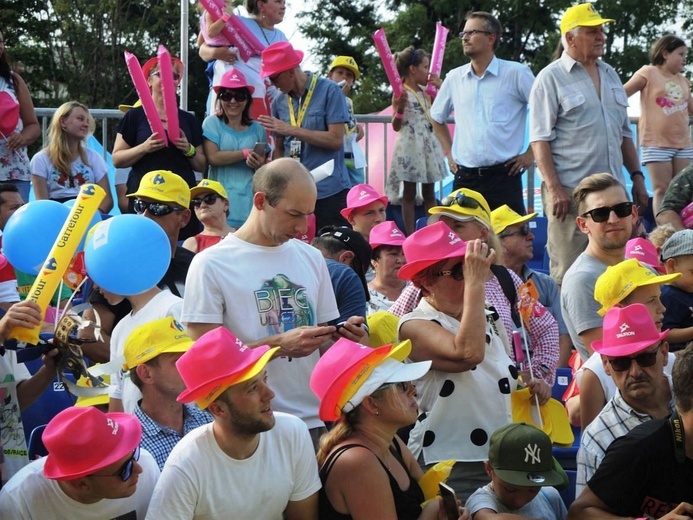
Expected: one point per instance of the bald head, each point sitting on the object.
(273, 179)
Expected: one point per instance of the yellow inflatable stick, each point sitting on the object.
(434, 476)
(65, 247)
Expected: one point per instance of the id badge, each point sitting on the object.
(295, 152)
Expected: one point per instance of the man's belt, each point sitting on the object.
(482, 171)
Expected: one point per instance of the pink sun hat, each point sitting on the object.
(81, 441)
(428, 246)
(279, 57)
(628, 330)
(216, 361)
(386, 234)
(645, 252)
(359, 196)
(233, 78)
(349, 371)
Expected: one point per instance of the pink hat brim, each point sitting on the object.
(267, 72)
(628, 349)
(409, 270)
(346, 212)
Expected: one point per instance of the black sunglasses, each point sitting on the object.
(209, 199)
(646, 359)
(125, 471)
(156, 209)
(176, 76)
(463, 201)
(524, 231)
(622, 210)
(228, 95)
(456, 272)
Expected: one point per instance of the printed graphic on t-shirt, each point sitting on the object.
(674, 100)
(282, 305)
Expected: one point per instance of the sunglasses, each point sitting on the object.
(524, 231)
(456, 272)
(472, 33)
(176, 76)
(463, 201)
(644, 360)
(402, 386)
(209, 199)
(602, 214)
(156, 209)
(125, 471)
(228, 95)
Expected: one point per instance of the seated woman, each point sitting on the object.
(59, 170)
(466, 395)
(211, 205)
(366, 470)
(386, 241)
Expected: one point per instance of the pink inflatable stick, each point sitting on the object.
(388, 62)
(229, 31)
(169, 90)
(245, 33)
(437, 56)
(145, 96)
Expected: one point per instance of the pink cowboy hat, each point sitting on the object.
(645, 252)
(428, 246)
(359, 196)
(279, 57)
(233, 78)
(386, 234)
(628, 330)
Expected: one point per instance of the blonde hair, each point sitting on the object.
(661, 234)
(58, 149)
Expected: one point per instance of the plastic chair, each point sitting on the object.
(539, 228)
(421, 223)
(568, 493)
(35, 444)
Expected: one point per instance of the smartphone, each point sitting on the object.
(452, 510)
(340, 325)
(259, 148)
(342, 83)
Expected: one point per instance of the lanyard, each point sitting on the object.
(304, 105)
(422, 101)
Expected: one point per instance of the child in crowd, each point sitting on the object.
(418, 155)
(345, 71)
(522, 471)
(665, 101)
(677, 253)
(661, 234)
(365, 209)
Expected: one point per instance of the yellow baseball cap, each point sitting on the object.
(157, 337)
(124, 108)
(164, 186)
(348, 63)
(582, 15)
(505, 216)
(463, 204)
(209, 185)
(382, 327)
(619, 280)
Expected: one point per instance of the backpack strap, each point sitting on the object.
(508, 286)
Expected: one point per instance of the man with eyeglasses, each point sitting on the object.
(489, 97)
(517, 241)
(94, 469)
(606, 217)
(579, 126)
(634, 354)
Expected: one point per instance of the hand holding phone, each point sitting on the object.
(259, 148)
(452, 510)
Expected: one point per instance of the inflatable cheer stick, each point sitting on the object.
(437, 56)
(169, 92)
(241, 28)
(64, 248)
(228, 30)
(388, 62)
(145, 95)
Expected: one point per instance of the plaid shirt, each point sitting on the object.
(542, 331)
(615, 420)
(160, 440)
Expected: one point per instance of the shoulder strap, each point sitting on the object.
(508, 286)
(327, 466)
(679, 437)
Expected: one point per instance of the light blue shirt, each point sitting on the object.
(490, 111)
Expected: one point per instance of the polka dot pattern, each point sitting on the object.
(429, 438)
(478, 437)
(447, 389)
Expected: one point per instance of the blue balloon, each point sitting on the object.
(31, 232)
(127, 254)
(95, 220)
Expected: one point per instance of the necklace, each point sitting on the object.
(262, 30)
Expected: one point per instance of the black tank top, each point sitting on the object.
(407, 503)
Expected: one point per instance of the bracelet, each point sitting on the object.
(399, 115)
(191, 152)
(246, 152)
(636, 173)
(225, 17)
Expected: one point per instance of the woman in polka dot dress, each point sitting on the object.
(466, 395)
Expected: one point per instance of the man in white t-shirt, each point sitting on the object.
(250, 462)
(94, 469)
(271, 290)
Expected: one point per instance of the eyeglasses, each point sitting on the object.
(524, 231)
(402, 386)
(456, 272)
(274, 78)
(156, 209)
(473, 32)
(463, 201)
(125, 471)
(228, 95)
(208, 199)
(602, 214)
(646, 359)
(176, 76)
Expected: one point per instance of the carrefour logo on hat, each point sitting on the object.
(637, 250)
(453, 238)
(363, 194)
(591, 9)
(396, 233)
(205, 183)
(158, 179)
(624, 331)
(176, 325)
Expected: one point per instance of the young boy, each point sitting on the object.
(520, 465)
(345, 71)
(677, 253)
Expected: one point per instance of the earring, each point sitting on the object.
(377, 412)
